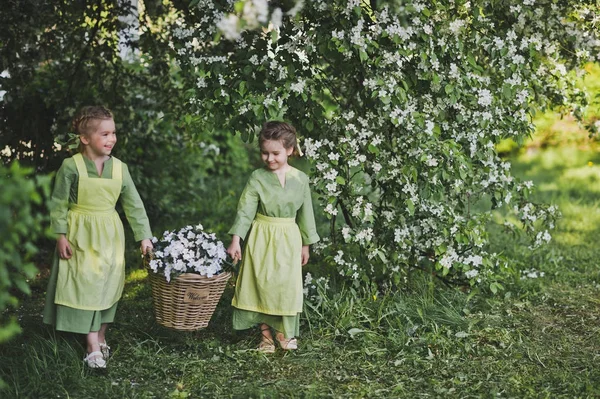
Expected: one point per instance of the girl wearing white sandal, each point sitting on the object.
(88, 268)
(276, 208)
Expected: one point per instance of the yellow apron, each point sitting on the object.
(270, 277)
(94, 277)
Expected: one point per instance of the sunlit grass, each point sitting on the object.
(136, 276)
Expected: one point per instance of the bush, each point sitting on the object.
(22, 221)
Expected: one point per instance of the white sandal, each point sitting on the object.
(287, 344)
(95, 360)
(105, 349)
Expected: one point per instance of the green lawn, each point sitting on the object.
(539, 338)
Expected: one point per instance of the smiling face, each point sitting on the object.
(100, 139)
(274, 154)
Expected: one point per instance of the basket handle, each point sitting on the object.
(146, 258)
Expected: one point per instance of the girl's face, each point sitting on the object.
(101, 140)
(274, 154)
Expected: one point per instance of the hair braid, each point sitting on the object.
(81, 122)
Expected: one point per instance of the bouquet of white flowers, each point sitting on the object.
(187, 250)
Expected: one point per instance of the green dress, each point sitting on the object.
(280, 221)
(83, 291)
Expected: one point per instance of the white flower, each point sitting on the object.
(331, 187)
(187, 250)
(255, 12)
(485, 97)
(456, 25)
(431, 161)
(298, 87)
(331, 209)
(471, 273)
(346, 233)
(276, 17)
(229, 25)
(331, 174)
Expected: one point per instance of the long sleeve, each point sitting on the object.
(246, 210)
(134, 207)
(305, 219)
(65, 179)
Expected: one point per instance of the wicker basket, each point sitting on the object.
(188, 301)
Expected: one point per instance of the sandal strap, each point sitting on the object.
(95, 360)
(286, 344)
(92, 355)
(266, 346)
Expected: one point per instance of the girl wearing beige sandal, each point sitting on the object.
(276, 209)
(88, 268)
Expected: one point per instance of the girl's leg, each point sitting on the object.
(265, 330)
(102, 333)
(94, 358)
(267, 345)
(104, 348)
(93, 345)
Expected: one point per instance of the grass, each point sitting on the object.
(539, 338)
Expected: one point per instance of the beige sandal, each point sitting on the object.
(287, 344)
(105, 349)
(266, 344)
(95, 360)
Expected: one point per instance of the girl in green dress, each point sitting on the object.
(88, 268)
(276, 209)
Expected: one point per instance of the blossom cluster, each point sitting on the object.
(401, 108)
(187, 250)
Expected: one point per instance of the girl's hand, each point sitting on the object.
(63, 247)
(146, 246)
(234, 250)
(305, 255)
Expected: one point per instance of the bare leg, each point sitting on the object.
(94, 358)
(102, 333)
(265, 329)
(104, 348)
(92, 342)
(267, 345)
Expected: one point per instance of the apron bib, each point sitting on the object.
(270, 277)
(94, 277)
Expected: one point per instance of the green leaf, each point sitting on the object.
(507, 92)
(340, 180)
(309, 125)
(239, 6)
(22, 285)
(410, 206)
(363, 55)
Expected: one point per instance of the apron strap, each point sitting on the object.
(81, 169)
(117, 172)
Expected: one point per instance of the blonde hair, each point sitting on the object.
(85, 118)
(279, 131)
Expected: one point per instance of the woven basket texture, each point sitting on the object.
(188, 301)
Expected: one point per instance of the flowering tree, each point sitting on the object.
(400, 106)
